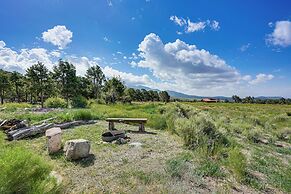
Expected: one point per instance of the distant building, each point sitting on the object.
(209, 100)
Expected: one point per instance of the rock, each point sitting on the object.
(54, 139)
(76, 149)
(120, 141)
(58, 177)
(135, 144)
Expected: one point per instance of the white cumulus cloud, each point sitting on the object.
(184, 65)
(59, 36)
(2, 44)
(190, 26)
(12, 60)
(281, 36)
(261, 78)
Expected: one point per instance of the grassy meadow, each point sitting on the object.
(195, 147)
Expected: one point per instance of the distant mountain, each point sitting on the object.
(180, 95)
(268, 97)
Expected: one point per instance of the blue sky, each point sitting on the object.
(194, 47)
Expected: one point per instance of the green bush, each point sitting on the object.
(199, 132)
(12, 106)
(83, 115)
(55, 102)
(79, 102)
(24, 172)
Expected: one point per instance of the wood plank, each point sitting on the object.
(126, 120)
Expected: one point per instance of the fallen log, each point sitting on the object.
(44, 121)
(40, 129)
(73, 124)
(30, 131)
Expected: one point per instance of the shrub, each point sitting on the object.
(55, 102)
(12, 106)
(254, 134)
(199, 132)
(24, 172)
(284, 134)
(83, 115)
(79, 102)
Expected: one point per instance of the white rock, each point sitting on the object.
(54, 139)
(76, 149)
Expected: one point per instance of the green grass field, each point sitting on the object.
(198, 147)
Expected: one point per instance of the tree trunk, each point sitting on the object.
(94, 83)
(2, 97)
(41, 96)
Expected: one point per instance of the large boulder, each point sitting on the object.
(54, 139)
(76, 149)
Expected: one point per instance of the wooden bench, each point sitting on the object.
(141, 122)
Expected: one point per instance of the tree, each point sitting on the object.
(146, 95)
(131, 93)
(114, 90)
(248, 99)
(164, 96)
(38, 77)
(236, 99)
(97, 78)
(4, 84)
(17, 81)
(84, 87)
(65, 75)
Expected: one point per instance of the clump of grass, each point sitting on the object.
(24, 172)
(83, 115)
(11, 106)
(254, 134)
(236, 163)
(280, 118)
(178, 166)
(209, 168)
(200, 132)
(284, 134)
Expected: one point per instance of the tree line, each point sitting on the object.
(38, 84)
(253, 100)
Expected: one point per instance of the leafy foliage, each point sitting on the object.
(55, 102)
(79, 102)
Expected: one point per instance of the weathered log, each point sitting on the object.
(73, 124)
(31, 131)
(40, 129)
(44, 121)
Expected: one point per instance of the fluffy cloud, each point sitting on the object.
(129, 78)
(12, 60)
(190, 26)
(59, 36)
(281, 35)
(2, 44)
(184, 65)
(193, 27)
(261, 78)
(178, 21)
